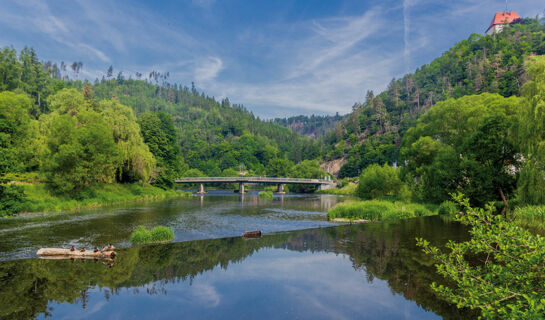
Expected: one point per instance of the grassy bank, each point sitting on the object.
(348, 189)
(532, 217)
(38, 198)
(375, 210)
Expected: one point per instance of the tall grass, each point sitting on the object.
(39, 199)
(530, 217)
(348, 189)
(157, 234)
(375, 210)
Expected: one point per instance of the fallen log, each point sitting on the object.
(75, 253)
(252, 234)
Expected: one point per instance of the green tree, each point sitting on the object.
(378, 181)
(278, 167)
(16, 132)
(463, 144)
(81, 150)
(162, 139)
(531, 184)
(307, 169)
(136, 162)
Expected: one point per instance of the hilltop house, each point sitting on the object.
(500, 19)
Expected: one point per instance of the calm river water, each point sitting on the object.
(304, 267)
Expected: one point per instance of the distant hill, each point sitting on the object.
(373, 131)
(313, 126)
(215, 137)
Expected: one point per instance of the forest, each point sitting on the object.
(374, 130)
(66, 137)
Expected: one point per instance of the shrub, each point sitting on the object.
(157, 234)
(378, 181)
(141, 235)
(508, 283)
(266, 194)
(12, 198)
(448, 207)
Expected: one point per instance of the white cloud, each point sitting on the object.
(208, 69)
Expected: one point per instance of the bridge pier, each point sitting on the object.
(201, 189)
(241, 188)
(280, 189)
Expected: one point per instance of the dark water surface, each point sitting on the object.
(366, 271)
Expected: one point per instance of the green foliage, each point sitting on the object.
(12, 198)
(157, 234)
(375, 210)
(494, 64)
(81, 150)
(194, 173)
(161, 233)
(505, 279)
(39, 199)
(141, 235)
(531, 184)
(135, 161)
(463, 144)
(379, 181)
(308, 169)
(17, 130)
(278, 167)
(448, 207)
(160, 135)
(266, 195)
(531, 217)
(348, 189)
(213, 136)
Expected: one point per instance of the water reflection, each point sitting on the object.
(371, 271)
(214, 215)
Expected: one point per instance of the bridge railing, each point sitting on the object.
(252, 179)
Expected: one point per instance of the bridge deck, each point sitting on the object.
(262, 180)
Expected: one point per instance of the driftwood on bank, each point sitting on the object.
(252, 234)
(75, 254)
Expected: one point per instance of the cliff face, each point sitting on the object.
(334, 166)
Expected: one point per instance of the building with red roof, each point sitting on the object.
(501, 19)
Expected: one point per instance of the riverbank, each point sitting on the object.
(347, 190)
(38, 198)
(379, 210)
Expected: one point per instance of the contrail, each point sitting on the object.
(406, 26)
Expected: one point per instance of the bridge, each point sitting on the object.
(321, 184)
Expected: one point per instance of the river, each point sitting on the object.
(304, 267)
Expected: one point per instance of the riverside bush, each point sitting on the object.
(530, 216)
(379, 181)
(508, 282)
(12, 198)
(157, 234)
(266, 194)
(448, 207)
(375, 210)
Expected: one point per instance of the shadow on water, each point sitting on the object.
(319, 273)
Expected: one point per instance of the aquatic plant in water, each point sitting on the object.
(157, 234)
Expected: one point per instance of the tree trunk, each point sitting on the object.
(506, 205)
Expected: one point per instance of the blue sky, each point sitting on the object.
(278, 58)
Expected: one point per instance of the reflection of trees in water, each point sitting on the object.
(383, 250)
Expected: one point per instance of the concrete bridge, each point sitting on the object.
(321, 184)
